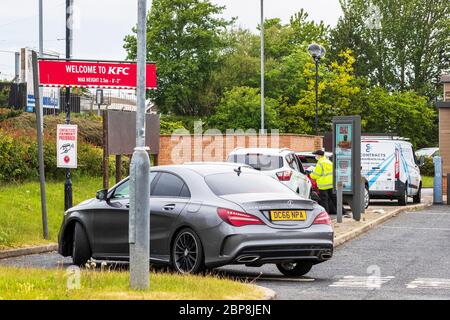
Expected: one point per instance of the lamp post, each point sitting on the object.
(262, 67)
(317, 52)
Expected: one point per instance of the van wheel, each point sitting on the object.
(366, 197)
(403, 198)
(81, 251)
(418, 197)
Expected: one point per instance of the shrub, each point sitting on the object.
(19, 159)
(428, 168)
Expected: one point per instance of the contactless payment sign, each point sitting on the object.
(66, 146)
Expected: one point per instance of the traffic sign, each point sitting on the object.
(67, 136)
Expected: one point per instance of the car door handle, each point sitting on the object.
(169, 207)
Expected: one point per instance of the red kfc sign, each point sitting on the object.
(113, 75)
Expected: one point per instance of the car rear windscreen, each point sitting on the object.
(232, 183)
(258, 161)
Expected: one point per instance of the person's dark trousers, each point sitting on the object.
(327, 201)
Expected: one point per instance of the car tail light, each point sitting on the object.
(237, 218)
(322, 218)
(284, 175)
(397, 166)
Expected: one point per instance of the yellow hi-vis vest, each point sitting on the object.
(323, 173)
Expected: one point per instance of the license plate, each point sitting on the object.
(288, 215)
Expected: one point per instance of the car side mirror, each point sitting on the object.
(102, 195)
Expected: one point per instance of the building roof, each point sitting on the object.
(445, 78)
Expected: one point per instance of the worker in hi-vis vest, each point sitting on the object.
(323, 174)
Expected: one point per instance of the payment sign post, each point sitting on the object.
(347, 161)
(66, 146)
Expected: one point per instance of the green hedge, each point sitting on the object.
(428, 168)
(18, 159)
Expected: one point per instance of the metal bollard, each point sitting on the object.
(339, 201)
(437, 181)
(363, 198)
(448, 188)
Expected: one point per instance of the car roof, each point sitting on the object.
(310, 154)
(428, 149)
(207, 168)
(264, 151)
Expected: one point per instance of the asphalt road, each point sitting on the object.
(408, 257)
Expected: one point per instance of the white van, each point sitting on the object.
(390, 166)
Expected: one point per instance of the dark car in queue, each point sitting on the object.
(205, 216)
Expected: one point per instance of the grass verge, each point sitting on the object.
(31, 284)
(20, 209)
(427, 182)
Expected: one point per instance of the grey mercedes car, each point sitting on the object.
(205, 216)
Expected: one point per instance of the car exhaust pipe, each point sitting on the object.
(247, 259)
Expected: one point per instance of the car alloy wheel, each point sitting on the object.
(187, 252)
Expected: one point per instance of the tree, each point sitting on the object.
(405, 113)
(337, 88)
(184, 39)
(407, 50)
(240, 108)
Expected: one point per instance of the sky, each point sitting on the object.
(101, 25)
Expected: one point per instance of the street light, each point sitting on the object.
(317, 52)
(262, 67)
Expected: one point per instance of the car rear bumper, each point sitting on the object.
(261, 245)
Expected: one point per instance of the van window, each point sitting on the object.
(407, 153)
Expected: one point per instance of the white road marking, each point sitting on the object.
(365, 282)
(281, 278)
(415, 228)
(288, 279)
(429, 283)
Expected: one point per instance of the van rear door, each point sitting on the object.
(378, 161)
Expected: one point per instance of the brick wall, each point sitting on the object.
(183, 148)
(444, 137)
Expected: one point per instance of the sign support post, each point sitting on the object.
(68, 182)
(139, 218)
(39, 127)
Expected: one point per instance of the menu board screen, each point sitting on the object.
(344, 155)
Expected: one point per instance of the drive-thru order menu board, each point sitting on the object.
(343, 151)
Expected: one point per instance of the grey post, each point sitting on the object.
(39, 128)
(17, 66)
(363, 194)
(262, 67)
(448, 188)
(437, 181)
(139, 219)
(339, 201)
(68, 200)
